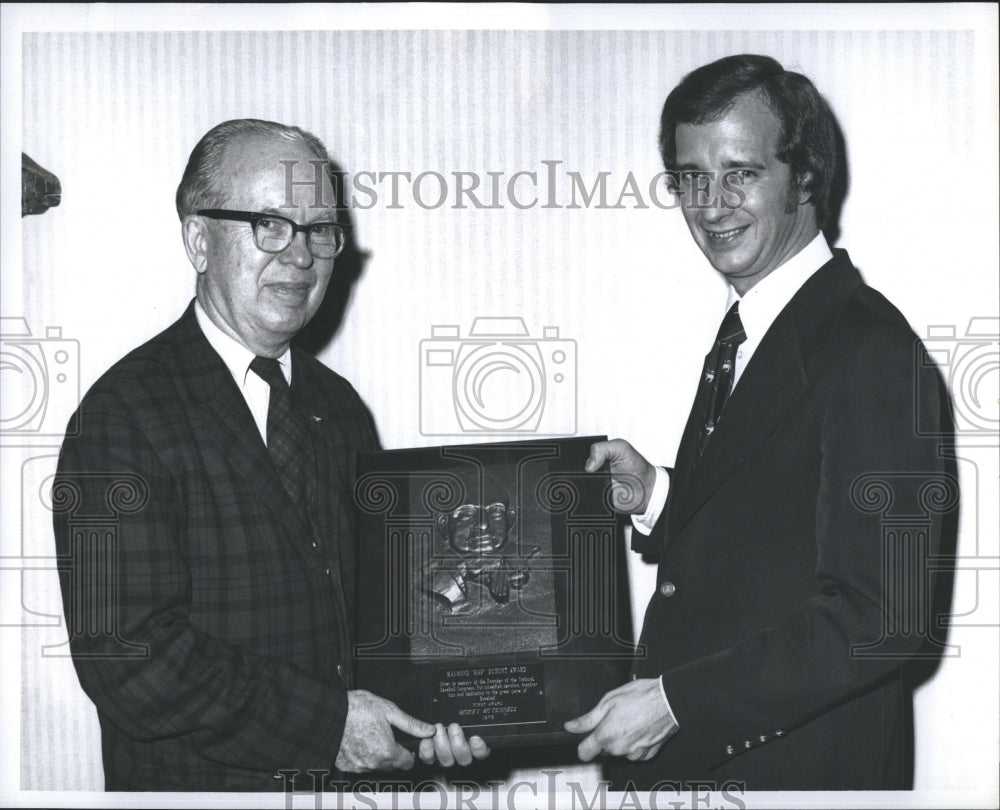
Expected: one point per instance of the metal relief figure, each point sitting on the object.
(476, 536)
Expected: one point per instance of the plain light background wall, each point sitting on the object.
(115, 113)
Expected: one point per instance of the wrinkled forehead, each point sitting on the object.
(260, 173)
(748, 131)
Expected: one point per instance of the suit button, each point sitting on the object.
(635, 676)
(747, 744)
(340, 671)
(730, 750)
(667, 589)
(762, 738)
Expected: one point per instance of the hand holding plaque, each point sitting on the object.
(631, 721)
(632, 477)
(369, 744)
(449, 746)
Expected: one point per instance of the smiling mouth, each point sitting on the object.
(289, 290)
(724, 237)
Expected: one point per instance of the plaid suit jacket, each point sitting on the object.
(209, 622)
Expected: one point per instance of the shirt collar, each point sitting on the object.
(762, 303)
(234, 354)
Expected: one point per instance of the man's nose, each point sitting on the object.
(297, 252)
(711, 203)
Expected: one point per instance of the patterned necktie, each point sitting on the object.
(720, 369)
(287, 436)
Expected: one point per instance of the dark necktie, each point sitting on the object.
(287, 435)
(720, 369)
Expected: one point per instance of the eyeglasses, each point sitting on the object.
(273, 233)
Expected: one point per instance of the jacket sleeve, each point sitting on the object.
(650, 545)
(152, 673)
(871, 611)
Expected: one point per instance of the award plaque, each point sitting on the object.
(493, 589)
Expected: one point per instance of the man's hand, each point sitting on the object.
(450, 746)
(368, 743)
(632, 477)
(631, 721)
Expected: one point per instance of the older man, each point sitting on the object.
(230, 588)
(774, 647)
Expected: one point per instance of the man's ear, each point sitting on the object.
(805, 184)
(194, 231)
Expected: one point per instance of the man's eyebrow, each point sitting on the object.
(743, 164)
(728, 164)
(324, 215)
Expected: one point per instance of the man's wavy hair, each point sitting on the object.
(808, 130)
(200, 187)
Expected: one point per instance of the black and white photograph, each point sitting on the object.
(300, 296)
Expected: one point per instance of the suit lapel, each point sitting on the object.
(327, 475)
(773, 382)
(331, 480)
(226, 421)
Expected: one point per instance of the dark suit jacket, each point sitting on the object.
(796, 553)
(210, 632)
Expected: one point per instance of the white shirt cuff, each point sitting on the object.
(670, 711)
(645, 522)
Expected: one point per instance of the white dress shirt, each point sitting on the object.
(237, 358)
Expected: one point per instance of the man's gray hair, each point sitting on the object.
(200, 187)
